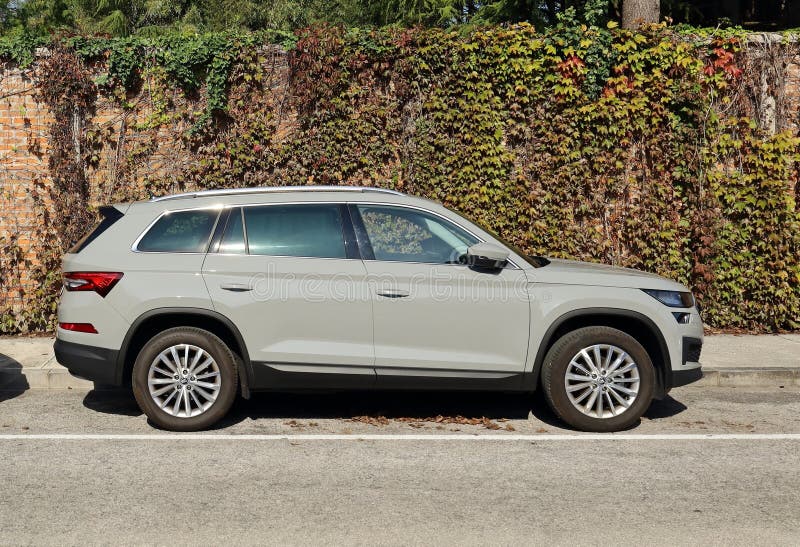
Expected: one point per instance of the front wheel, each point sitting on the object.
(598, 379)
(184, 379)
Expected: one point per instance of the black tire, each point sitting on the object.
(225, 360)
(554, 370)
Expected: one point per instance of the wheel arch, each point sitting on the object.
(157, 320)
(633, 323)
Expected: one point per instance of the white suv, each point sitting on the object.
(194, 298)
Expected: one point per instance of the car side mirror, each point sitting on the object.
(487, 256)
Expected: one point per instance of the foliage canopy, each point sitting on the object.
(151, 17)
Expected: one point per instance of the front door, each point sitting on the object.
(433, 316)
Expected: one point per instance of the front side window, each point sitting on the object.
(401, 234)
(313, 230)
(180, 232)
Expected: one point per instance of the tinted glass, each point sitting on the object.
(295, 230)
(407, 235)
(534, 260)
(180, 232)
(233, 238)
(110, 216)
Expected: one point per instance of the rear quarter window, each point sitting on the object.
(109, 215)
(179, 232)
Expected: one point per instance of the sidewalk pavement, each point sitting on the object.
(747, 360)
(728, 361)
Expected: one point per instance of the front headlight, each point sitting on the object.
(673, 299)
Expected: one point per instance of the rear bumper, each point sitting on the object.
(88, 362)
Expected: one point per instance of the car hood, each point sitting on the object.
(573, 272)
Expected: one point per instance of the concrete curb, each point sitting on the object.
(750, 377)
(38, 378)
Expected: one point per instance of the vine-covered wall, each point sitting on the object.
(667, 152)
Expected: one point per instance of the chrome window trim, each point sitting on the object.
(330, 202)
(285, 256)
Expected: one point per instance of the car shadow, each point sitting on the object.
(12, 382)
(346, 405)
(665, 408)
(389, 404)
(112, 401)
(421, 405)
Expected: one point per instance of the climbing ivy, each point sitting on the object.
(190, 61)
(20, 48)
(581, 141)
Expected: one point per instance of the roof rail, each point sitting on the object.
(271, 189)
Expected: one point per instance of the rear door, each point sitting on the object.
(290, 278)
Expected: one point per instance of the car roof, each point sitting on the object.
(275, 194)
(274, 189)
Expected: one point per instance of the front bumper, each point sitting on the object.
(683, 377)
(690, 363)
(98, 365)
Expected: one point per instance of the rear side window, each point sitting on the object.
(295, 230)
(180, 232)
(109, 216)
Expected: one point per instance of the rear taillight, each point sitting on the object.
(79, 327)
(99, 282)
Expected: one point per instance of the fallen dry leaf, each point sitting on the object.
(371, 420)
(417, 422)
(295, 423)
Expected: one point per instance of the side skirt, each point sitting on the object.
(289, 376)
(293, 377)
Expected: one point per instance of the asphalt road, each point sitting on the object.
(428, 483)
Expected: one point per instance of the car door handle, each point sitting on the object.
(393, 293)
(236, 287)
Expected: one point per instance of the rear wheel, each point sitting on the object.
(598, 379)
(184, 379)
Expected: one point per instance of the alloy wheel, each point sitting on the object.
(602, 381)
(184, 380)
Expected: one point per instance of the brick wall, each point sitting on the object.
(23, 161)
(136, 148)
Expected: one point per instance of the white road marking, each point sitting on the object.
(417, 437)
